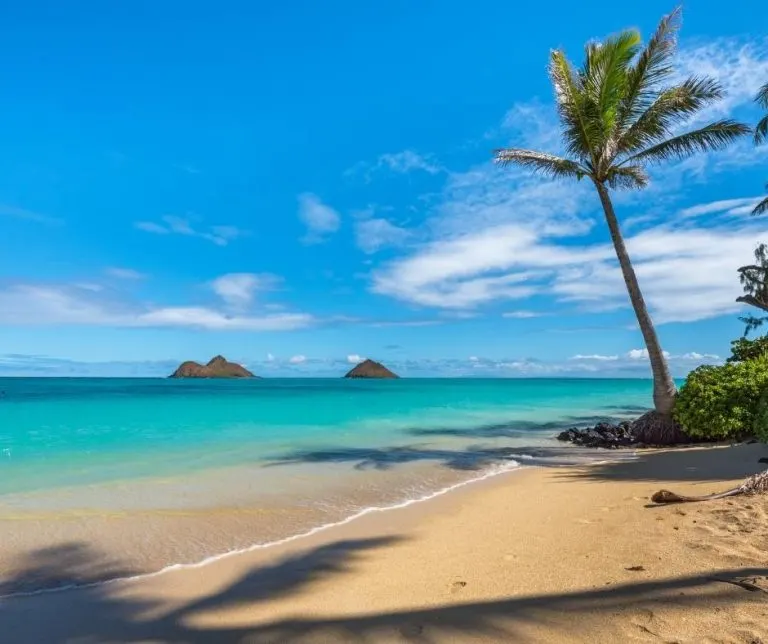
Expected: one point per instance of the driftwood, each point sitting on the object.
(755, 484)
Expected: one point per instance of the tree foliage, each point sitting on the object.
(761, 134)
(723, 402)
(624, 109)
(621, 111)
(745, 349)
(754, 281)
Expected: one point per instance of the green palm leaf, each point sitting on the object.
(541, 163)
(670, 108)
(762, 207)
(761, 131)
(711, 137)
(654, 65)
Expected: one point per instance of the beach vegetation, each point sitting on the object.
(746, 349)
(754, 282)
(622, 111)
(726, 401)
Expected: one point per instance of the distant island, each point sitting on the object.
(370, 369)
(218, 367)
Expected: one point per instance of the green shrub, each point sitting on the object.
(744, 349)
(725, 401)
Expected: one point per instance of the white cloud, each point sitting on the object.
(270, 357)
(124, 273)
(320, 219)
(635, 362)
(642, 354)
(298, 359)
(595, 356)
(205, 318)
(376, 233)
(88, 286)
(239, 289)
(408, 161)
(478, 267)
(151, 227)
(741, 206)
(739, 66)
(219, 235)
(25, 304)
(521, 315)
(685, 274)
(399, 163)
(354, 358)
(501, 234)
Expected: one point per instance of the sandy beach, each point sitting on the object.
(560, 554)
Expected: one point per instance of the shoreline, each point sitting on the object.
(491, 472)
(241, 509)
(502, 559)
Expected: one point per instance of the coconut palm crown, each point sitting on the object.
(621, 111)
(761, 134)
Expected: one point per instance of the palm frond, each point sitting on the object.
(762, 207)
(579, 134)
(604, 78)
(671, 107)
(653, 65)
(762, 96)
(761, 130)
(714, 136)
(540, 162)
(628, 177)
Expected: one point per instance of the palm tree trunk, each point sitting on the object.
(663, 386)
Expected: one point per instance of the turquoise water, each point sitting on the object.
(64, 432)
(154, 472)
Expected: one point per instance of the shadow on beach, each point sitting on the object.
(471, 458)
(685, 464)
(107, 613)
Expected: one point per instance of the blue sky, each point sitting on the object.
(299, 185)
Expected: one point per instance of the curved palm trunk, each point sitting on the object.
(663, 386)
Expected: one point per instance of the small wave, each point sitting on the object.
(495, 470)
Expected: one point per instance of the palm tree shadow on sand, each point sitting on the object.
(105, 613)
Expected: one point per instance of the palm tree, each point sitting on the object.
(761, 133)
(619, 113)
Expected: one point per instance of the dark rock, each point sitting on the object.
(217, 367)
(370, 369)
(603, 435)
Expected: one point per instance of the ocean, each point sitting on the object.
(153, 473)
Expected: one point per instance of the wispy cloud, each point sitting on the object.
(741, 206)
(124, 273)
(25, 304)
(238, 290)
(521, 315)
(500, 234)
(740, 66)
(15, 364)
(398, 163)
(373, 233)
(173, 225)
(14, 212)
(321, 220)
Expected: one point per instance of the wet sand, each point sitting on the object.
(566, 554)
